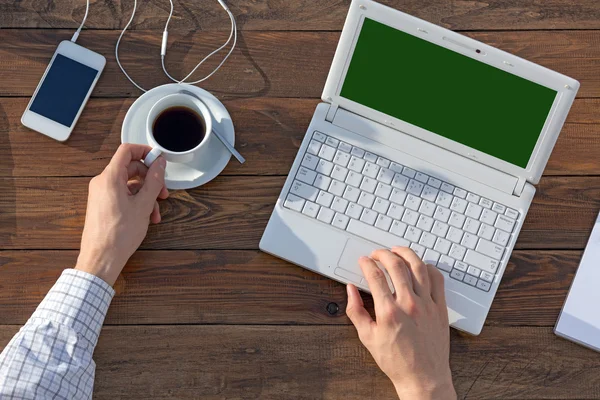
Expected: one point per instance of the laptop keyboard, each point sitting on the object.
(387, 203)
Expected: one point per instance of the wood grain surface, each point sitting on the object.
(232, 212)
(324, 362)
(275, 64)
(200, 312)
(268, 133)
(251, 287)
(299, 14)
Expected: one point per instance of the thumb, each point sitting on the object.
(153, 183)
(355, 310)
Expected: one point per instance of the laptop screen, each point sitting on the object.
(452, 95)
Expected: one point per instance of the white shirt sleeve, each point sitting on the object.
(51, 355)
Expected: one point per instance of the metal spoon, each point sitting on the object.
(226, 143)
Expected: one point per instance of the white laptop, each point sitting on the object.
(427, 139)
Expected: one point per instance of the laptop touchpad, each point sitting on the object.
(348, 262)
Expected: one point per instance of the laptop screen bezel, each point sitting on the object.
(565, 87)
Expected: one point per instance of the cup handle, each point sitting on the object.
(152, 156)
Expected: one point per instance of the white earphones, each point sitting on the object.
(163, 49)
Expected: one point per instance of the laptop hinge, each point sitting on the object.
(519, 186)
(331, 112)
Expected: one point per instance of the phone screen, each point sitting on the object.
(63, 90)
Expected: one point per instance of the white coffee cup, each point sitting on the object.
(176, 100)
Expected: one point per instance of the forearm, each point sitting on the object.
(51, 356)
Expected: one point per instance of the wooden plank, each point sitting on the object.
(251, 287)
(275, 64)
(324, 362)
(268, 133)
(300, 15)
(231, 213)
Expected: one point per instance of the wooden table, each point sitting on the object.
(199, 311)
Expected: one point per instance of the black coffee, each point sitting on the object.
(178, 129)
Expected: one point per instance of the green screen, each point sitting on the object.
(444, 92)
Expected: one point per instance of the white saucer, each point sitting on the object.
(206, 165)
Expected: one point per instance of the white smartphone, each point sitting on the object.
(63, 91)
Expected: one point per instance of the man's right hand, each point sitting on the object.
(410, 339)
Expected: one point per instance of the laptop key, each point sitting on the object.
(324, 167)
(481, 261)
(499, 208)
(339, 205)
(345, 147)
(368, 216)
(431, 257)
(306, 175)
(436, 183)
(445, 263)
(383, 222)
(305, 191)
(395, 211)
(371, 170)
(356, 164)
(470, 280)
(320, 137)
(332, 141)
(382, 162)
(341, 158)
(415, 187)
(354, 210)
(398, 228)
(490, 249)
(409, 172)
(324, 198)
(510, 213)
(325, 215)
(340, 173)
(370, 157)
(456, 274)
(309, 161)
(294, 202)
(327, 152)
(400, 182)
(505, 223)
(385, 175)
(396, 167)
(322, 182)
(358, 152)
(446, 187)
(311, 209)
(368, 184)
(486, 276)
(314, 147)
(383, 190)
(340, 221)
(483, 285)
(501, 237)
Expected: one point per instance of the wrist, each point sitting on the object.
(99, 265)
(443, 390)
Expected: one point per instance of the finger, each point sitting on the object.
(418, 269)
(136, 168)
(397, 270)
(153, 183)
(134, 186)
(155, 216)
(376, 280)
(164, 193)
(438, 294)
(128, 152)
(355, 310)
